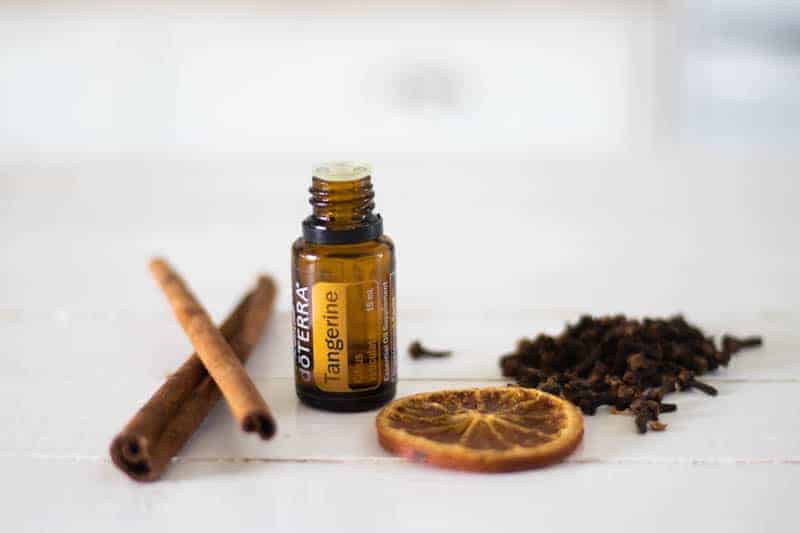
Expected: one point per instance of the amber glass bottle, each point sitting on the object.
(343, 277)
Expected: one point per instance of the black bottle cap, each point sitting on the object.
(314, 231)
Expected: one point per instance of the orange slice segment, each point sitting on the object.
(497, 429)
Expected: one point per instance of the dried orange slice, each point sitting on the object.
(496, 429)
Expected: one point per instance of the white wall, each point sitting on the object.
(193, 79)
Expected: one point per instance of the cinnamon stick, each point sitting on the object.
(144, 448)
(242, 396)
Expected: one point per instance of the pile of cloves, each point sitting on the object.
(625, 363)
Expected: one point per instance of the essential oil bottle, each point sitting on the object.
(343, 281)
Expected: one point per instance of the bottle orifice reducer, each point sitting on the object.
(343, 277)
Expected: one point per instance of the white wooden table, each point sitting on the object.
(86, 337)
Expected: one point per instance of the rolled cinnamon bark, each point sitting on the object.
(242, 396)
(165, 423)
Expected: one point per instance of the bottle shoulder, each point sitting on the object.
(380, 246)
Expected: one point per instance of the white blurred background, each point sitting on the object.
(609, 155)
(198, 78)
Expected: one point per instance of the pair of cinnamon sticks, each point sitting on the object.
(165, 423)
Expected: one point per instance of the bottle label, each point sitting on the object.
(344, 335)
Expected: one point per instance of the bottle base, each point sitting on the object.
(348, 403)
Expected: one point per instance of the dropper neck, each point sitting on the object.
(342, 199)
